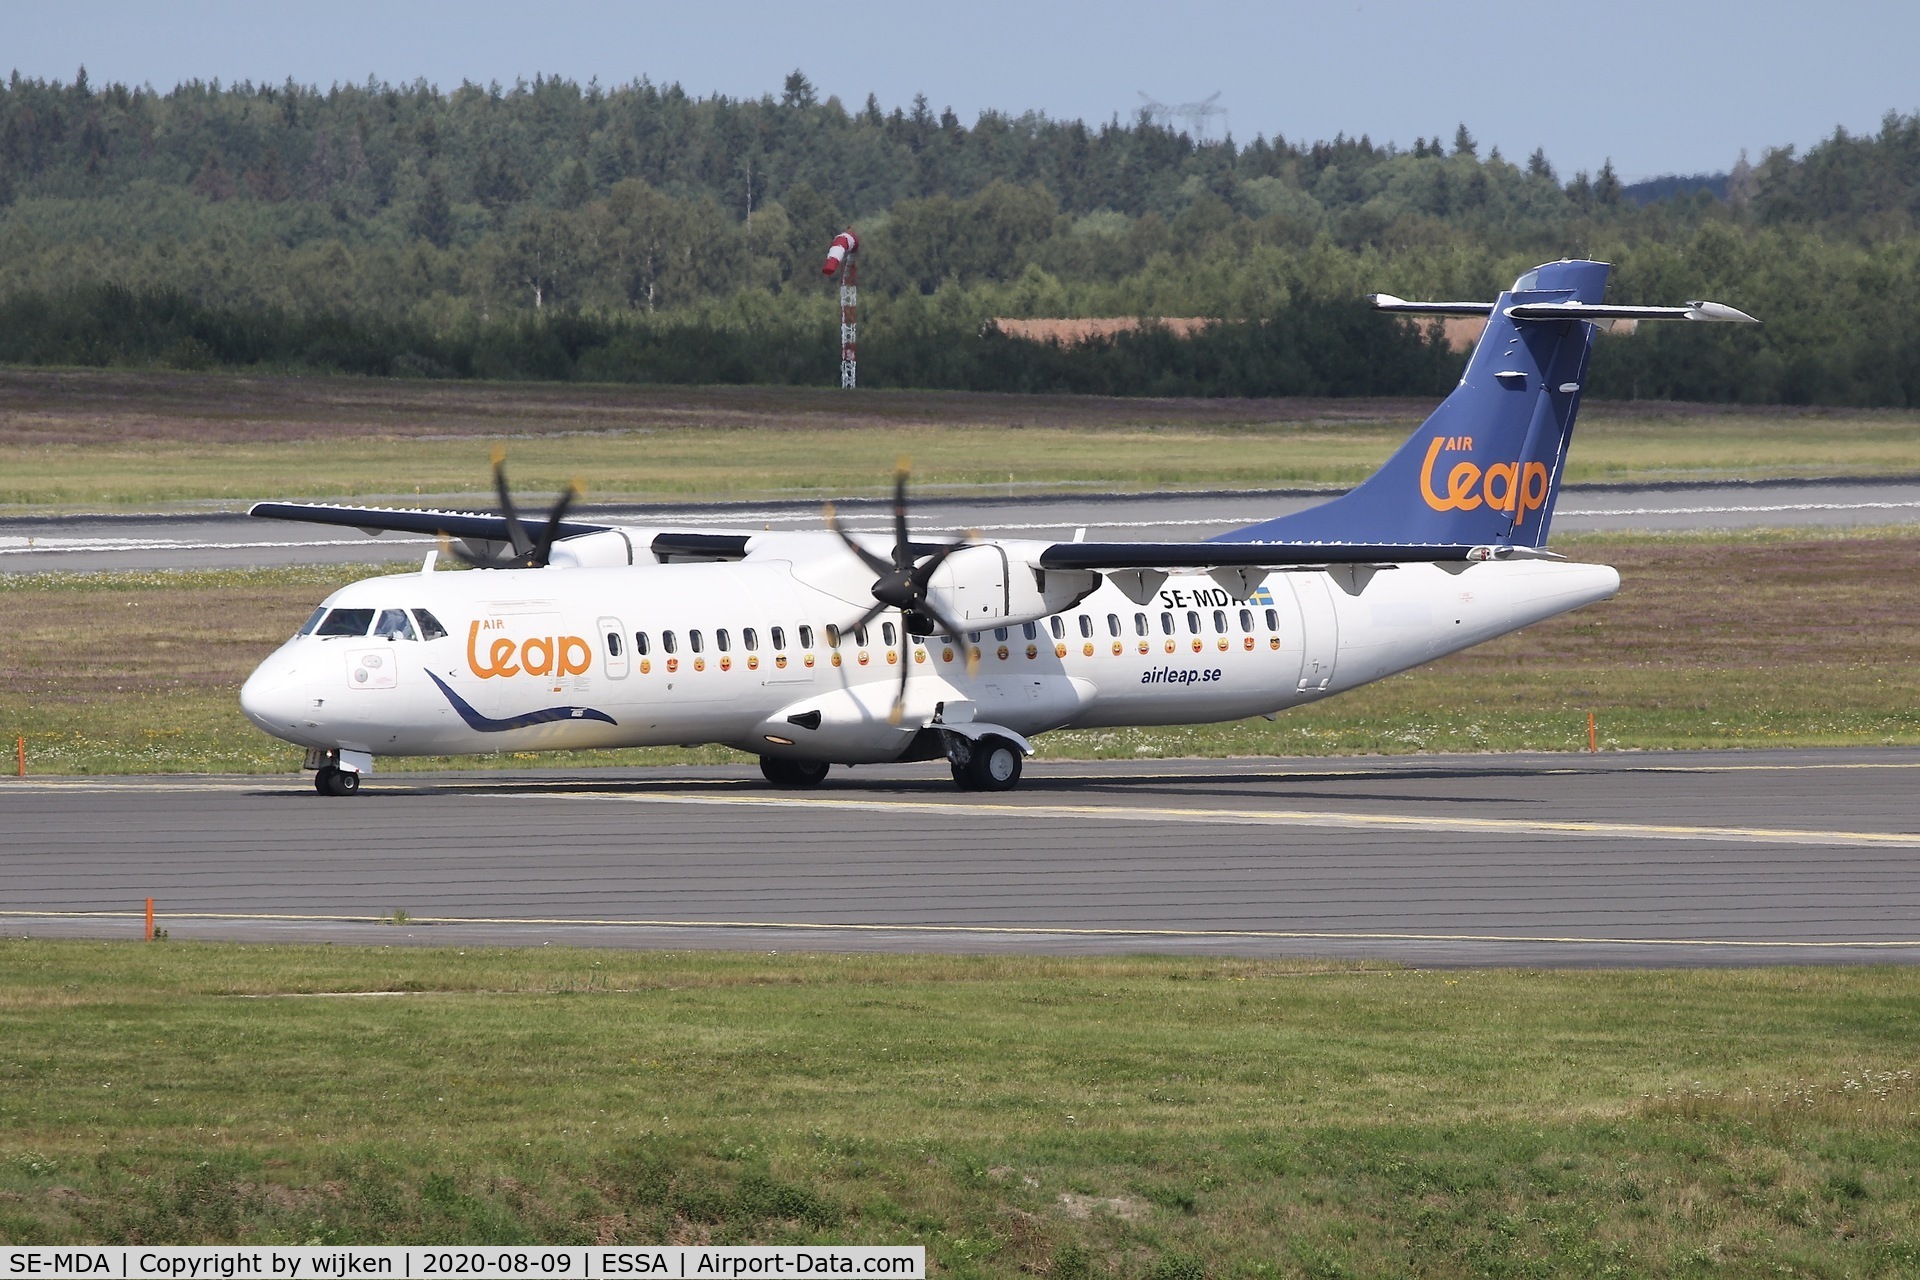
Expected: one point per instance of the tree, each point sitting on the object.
(213, 182)
(1580, 192)
(798, 92)
(1606, 187)
(268, 179)
(575, 188)
(433, 215)
(1539, 167)
(1463, 143)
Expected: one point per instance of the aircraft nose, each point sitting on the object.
(274, 698)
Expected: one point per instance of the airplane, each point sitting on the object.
(814, 648)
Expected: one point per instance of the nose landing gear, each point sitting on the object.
(337, 770)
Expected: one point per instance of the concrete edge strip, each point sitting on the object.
(796, 926)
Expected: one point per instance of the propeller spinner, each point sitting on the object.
(904, 583)
(529, 552)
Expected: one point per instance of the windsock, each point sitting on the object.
(843, 244)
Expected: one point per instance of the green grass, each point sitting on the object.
(1123, 1117)
(86, 440)
(1769, 638)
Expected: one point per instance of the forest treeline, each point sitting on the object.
(551, 230)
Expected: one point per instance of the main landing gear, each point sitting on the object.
(782, 772)
(986, 764)
(330, 780)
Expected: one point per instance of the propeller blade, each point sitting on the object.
(861, 621)
(536, 557)
(900, 694)
(517, 531)
(902, 551)
(959, 636)
(867, 557)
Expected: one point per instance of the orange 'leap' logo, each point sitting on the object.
(537, 656)
(1499, 486)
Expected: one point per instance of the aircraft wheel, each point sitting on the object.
(793, 773)
(323, 779)
(341, 782)
(995, 765)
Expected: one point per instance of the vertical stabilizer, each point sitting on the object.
(1485, 468)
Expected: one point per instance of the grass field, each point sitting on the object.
(1163, 1119)
(1722, 641)
(100, 440)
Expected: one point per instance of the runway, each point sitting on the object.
(230, 540)
(1613, 860)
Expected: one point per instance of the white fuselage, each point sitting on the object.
(558, 658)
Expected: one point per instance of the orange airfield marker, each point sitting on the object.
(20, 749)
(149, 919)
(1593, 738)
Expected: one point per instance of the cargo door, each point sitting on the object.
(1319, 631)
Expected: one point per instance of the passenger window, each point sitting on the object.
(779, 637)
(696, 643)
(749, 639)
(346, 622)
(1246, 621)
(999, 633)
(640, 643)
(430, 628)
(312, 622)
(1029, 631)
(860, 636)
(806, 637)
(1113, 624)
(1273, 619)
(1086, 626)
(887, 633)
(833, 636)
(973, 637)
(721, 640)
(394, 625)
(1139, 624)
(613, 644)
(1219, 623)
(1058, 625)
(1166, 624)
(667, 643)
(1193, 623)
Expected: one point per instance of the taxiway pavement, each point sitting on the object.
(227, 540)
(1629, 859)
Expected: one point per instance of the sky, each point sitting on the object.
(1674, 87)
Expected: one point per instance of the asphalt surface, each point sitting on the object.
(217, 540)
(1617, 860)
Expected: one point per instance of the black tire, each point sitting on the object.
(345, 782)
(323, 779)
(995, 765)
(793, 773)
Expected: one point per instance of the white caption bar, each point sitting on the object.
(459, 1262)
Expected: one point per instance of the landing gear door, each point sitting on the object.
(1319, 631)
(613, 644)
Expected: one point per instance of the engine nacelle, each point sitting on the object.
(608, 549)
(999, 584)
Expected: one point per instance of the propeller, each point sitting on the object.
(529, 552)
(904, 582)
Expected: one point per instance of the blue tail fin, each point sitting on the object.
(1484, 469)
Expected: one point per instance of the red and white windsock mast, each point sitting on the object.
(841, 254)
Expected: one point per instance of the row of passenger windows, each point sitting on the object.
(722, 638)
(389, 624)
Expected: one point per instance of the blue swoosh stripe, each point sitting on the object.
(487, 724)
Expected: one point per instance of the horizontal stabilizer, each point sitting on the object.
(1713, 311)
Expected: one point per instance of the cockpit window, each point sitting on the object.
(394, 625)
(430, 628)
(306, 629)
(346, 622)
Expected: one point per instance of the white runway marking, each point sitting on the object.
(1736, 510)
(82, 546)
(1438, 823)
